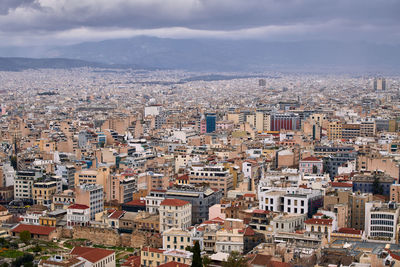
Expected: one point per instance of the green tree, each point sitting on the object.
(206, 261)
(197, 261)
(235, 259)
(37, 249)
(26, 260)
(25, 236)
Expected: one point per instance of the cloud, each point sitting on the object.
(70, 21)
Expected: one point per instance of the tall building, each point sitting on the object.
(379, 84)
(357, 203)
(381, 221)
(91, 195)
(23, 184)
(42, 192)
(284, 121)
(262, 82)
(201, 198)
(211, 121)
(175, 213)
(217, 177)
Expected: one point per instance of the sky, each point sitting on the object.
(64, 22)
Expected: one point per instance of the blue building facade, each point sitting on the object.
(211, 121)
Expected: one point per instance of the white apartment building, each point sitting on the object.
(23, 184)
(175, 213)
(78, 215)
(8, 175)
(154, 199)
(290, 200)
(381, 221)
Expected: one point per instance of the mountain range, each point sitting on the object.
(213, 55)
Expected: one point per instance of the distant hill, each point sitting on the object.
(236, 55)
(215, 55)
(19, 63)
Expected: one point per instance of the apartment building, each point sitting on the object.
(381, 221)
(228, 240)
(154, 199)
(201, 198)
(42, 192)
(175, 213)
(91, 195)
(311, 165)
(78, 215)
(217, 177)
(23, 184)
(175, 238)
(290, 200)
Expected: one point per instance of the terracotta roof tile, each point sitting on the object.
(174, 202)
(34, 229)
(136, 202)
(116, 214)
(350, 231)
(311, 159)
(91, 254)
(78, 207)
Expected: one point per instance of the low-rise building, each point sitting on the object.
(152, 257)
(95, 257)
(288, 223)
(176, 239)
(78, 215)
(228, 240)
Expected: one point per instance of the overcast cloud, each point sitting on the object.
(27, 22)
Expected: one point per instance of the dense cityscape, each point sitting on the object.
(129, 167)
(199, 133)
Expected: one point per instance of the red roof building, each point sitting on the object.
(132, 261)
(78, 207)
(174, 202)
(99, 256)
(37, 231)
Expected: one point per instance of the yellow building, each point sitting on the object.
(175, 238)
(235, 172)
(335, 130)
(48, 221)
(152, 257)
(42, 192)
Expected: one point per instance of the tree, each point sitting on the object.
(206, 261)
(197, 261)
(25, 260)
(25, 236)
(235, 259)
(37, 249)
